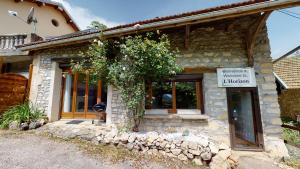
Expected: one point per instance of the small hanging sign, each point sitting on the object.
(236, 77)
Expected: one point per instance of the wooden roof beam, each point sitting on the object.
(252, 33)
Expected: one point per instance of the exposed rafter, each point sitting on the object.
(187, 36)
(252, 33)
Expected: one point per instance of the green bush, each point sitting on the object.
(25, 112)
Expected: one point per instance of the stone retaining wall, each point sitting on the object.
(196, 148)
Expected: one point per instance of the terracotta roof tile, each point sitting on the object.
(288, 69)
(157, 19)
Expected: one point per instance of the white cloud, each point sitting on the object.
(83, 17)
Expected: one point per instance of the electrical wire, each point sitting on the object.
(284, 12)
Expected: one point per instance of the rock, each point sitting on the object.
(220, 160)
(163, 144)
(152, 136)
(224, 154)
(185, 145)
(124, 138)
(202, 141)
(34, 125)
(195, 152)
(130, 146)
(189, 155)
(213, 148)
(193, 145)
(131, 138)
(43, 121)
(197, 161)
(176, 151)
(182, 157)
(171, 155)
(14, 125)
(24, 126)
(173, 146)
(206, 155)
(234, 157)
(223, 146)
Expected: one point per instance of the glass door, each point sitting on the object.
(244, 118)
(79, 95)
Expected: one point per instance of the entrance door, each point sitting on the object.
(244, 118)
(79, 96)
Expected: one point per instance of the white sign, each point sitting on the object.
(236, 77)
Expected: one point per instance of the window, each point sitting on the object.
(184, 92)
(55, 22)
(80, 95)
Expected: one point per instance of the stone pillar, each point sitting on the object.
(108, 106)
(55, 92)
(117, 112)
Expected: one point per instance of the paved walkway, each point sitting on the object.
(25, 150)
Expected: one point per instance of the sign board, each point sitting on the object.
(236, 77)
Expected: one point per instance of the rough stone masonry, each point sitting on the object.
(212, 45)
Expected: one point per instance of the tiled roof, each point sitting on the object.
(288, 70)
(157, 19)
(201, 11)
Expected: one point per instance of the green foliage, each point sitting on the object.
(291, 136)
(97, 25)
(21, 113)
(130, 62)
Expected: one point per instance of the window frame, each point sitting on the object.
(197, 78)
(73, 113)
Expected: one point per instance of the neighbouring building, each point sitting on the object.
(230, 92)
(287, 74)
(52, 20)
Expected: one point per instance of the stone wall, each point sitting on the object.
(46, 81)
(211, 45)
(289, 101)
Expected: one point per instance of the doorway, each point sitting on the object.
(244, 119)
(80, 94)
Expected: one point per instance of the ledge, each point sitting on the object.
(176, 116)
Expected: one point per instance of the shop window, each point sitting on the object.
(184, 92)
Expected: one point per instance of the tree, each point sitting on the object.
(130, 62)
(97, 25)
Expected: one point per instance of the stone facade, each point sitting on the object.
(212, 45)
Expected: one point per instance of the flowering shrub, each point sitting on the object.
(130, 62)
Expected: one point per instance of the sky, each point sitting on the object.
(283, 30)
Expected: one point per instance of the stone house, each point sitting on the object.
(287, 75)
(52, 20)
(228, 69)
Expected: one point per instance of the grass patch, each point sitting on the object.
(20, 113)
(291, 136)
(293, 163)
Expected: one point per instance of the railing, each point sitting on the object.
(8, 42)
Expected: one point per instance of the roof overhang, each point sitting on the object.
(280, 81)
(169, 23)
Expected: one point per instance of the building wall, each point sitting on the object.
(211, 45)
(289, 101)
(44, 15)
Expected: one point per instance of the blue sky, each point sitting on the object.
(284, 30)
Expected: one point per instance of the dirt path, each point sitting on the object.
(28, 150)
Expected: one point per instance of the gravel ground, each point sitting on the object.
(30, 151)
